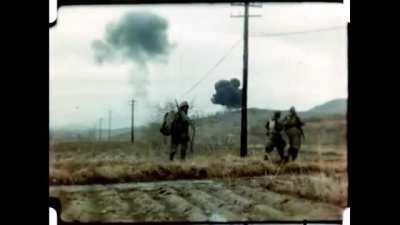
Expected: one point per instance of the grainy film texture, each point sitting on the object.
(149, 105)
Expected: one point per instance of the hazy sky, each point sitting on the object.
(299, 69)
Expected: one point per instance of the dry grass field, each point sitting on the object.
(116, 181)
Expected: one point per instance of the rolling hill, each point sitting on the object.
(228, 120)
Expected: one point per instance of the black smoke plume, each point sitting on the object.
(228, 93)
(138, 38)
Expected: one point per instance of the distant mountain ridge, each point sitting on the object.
(256, 116)
(335, 106)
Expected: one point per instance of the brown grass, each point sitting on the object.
(229, 166)
(319, 187)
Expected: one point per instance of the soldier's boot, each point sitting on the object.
(294, 153)
(284, 159)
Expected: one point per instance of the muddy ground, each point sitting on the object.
(119, 184)
(257, 198)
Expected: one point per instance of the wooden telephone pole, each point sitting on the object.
(243, 130)
(133, 122)
(243, 133)
(100, 122)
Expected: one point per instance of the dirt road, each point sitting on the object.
(256, 198)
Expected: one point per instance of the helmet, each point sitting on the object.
(183, 104)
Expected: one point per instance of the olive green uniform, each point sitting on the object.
(180, 134)
(274, 128)
(293, 129)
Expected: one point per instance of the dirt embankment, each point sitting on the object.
(70, 172)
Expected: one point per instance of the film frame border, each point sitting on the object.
(55, 203)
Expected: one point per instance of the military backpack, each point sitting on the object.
(168, 121)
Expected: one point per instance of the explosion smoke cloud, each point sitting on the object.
(138, 38)
(228, 93)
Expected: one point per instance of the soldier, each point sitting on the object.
(274, 128)
(180, 131)
(294, 130)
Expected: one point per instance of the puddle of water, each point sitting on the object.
(216, 217)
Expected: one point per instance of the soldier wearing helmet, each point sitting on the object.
(274, 131)
(180, 131)
(294, 129)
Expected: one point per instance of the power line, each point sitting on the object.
(259, 35)
(215, 66)
(300, 32)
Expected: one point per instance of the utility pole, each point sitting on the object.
(100, 122)
(109, 124)
(243, 133)
(133, 122)
(95, 132)
(243, 129)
